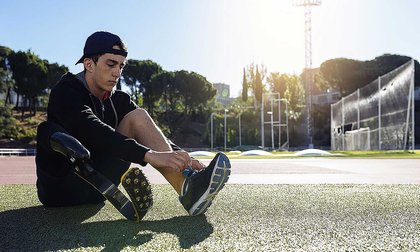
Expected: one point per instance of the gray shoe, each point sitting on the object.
(200, 187)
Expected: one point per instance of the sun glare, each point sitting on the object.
(267, 32)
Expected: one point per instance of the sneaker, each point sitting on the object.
(200, 187)
(139, 190)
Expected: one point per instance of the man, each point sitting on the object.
(115, 132)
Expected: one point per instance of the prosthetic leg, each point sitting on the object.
(133, 181)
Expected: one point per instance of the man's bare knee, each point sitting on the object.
(139, 125)
(137, 116)
(132, 121)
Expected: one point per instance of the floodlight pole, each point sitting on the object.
(308, 62)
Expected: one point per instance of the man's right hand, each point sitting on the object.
(173, 160)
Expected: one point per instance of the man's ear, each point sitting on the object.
(88, 63)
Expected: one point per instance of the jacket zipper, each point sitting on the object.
(103, 110)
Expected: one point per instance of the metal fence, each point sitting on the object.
(379, 116)
(17, 152)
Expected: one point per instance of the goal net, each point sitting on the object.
(379, 116)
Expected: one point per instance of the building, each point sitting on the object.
(223, 93)
(325, 98)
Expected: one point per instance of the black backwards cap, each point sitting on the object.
(101, 42)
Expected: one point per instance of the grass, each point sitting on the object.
(380, 154)
(242, 218)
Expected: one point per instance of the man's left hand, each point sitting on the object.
(197, 165)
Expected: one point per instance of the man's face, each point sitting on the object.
(107, 71)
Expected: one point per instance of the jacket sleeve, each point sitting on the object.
(69, 108)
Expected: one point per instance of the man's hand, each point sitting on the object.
(197, 165)
(173, 160)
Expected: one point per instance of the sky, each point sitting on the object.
(215, 38)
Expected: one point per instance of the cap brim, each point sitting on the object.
(80, 60)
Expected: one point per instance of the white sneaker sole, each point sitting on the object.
(218, 180)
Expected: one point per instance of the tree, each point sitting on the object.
(170, 95)
(170, 118)
(184, 94)
(258, 87)
(6, 80)
(30, 75)
(8, 124)
(194, 90)
(342, 74)
(290, 87)
(55, 72)
(151, 92)
(9, 85)
(137, 75)
(244, 88)
(278, 82)
(295, 96)
(2, 77)
(130, 75)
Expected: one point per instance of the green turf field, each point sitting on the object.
(242, 218)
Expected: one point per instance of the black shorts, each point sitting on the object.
(58, 185)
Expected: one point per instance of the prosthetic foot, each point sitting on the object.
(138, 188)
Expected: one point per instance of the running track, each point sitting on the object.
(21, 170)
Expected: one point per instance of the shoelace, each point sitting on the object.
(188, 172)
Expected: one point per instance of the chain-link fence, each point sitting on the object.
(379, 116)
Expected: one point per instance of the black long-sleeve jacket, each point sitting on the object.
(93, 121)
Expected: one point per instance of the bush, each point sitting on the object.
(8, 124)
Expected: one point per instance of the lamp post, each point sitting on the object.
(211, 130)
(240, 133)
(262, 121)
(225, 127)
(279, 113)
(287, 121)
(272, 128)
